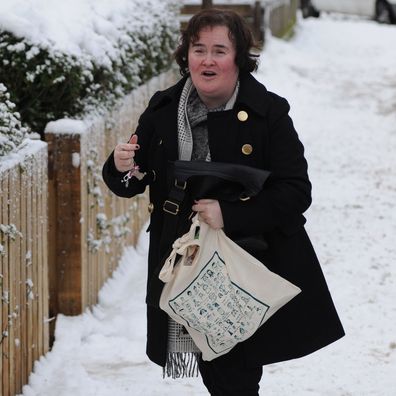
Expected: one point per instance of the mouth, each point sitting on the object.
(208, 73)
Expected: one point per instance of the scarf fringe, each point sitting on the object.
(181, 364)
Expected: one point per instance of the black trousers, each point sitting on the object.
(222, 380)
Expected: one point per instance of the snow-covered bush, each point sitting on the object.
(12, 133)
(59, 59)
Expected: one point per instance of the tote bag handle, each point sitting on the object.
(182, 247)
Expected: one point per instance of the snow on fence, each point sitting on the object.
(23, 264)
(88, 224)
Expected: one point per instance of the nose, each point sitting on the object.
(208, 59)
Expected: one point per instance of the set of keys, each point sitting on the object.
(133, 172)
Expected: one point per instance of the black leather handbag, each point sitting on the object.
(221, 181)
(218, 180)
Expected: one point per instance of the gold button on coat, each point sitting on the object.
(247, 149)
(242, 115)
(150, 207)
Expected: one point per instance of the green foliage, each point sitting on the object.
(47, 84)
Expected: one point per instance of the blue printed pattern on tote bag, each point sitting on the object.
(215, 306)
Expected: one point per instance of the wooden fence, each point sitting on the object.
(88, 225)
(61, 230)
(23, 265)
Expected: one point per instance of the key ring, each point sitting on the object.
(126, 177)
(134, 172)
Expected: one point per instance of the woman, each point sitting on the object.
(219, 112)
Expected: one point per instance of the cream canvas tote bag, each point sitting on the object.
(220, 293)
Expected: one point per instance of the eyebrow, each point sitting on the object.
(216, 45)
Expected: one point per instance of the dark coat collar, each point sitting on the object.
(252, 94)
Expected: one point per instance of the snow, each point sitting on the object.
(66, 126)
(28, 148)
(12, 133)
(76, 160)
(79, 28)
(338, 76)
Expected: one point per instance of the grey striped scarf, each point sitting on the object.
(185, 136)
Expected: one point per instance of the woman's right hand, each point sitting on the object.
(124, 154)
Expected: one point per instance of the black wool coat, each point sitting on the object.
(310, 321)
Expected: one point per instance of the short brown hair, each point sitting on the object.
(240, 35)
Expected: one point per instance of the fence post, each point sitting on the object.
(207, 4)
(258, 22)
(64, 226)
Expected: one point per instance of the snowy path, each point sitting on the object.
(339, 77)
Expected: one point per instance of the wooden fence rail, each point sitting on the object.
(23, 265)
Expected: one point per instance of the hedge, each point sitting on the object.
(47, 84)
(12, 133)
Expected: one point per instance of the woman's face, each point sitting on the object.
(211, 61)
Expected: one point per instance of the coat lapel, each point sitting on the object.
(166, 119)
(227, 128)
(222, 132)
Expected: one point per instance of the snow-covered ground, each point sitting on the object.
(340, 79)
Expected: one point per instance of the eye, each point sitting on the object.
(198, 51)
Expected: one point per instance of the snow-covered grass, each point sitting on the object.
(339, 79)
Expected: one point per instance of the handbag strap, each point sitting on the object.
(172, 208)
(176, 196)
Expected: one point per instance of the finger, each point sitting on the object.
(205, 201)
(126, 162)
(125, 155)
(125, 147)
(201, 218)
(130, 147)
(133, 139)
(198, 208)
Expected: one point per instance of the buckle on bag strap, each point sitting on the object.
(180, 185)
(171, 207)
